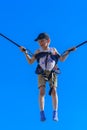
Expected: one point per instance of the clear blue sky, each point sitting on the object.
(66, 23)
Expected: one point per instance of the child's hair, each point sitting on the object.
(42, 36)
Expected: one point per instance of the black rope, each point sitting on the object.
(29, 52)
(70, 50)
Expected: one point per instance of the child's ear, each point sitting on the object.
(48, 40)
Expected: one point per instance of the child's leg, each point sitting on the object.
(53, 84)
(41, 97)
(55, 104)
(41, 84)
(54, 99)
(41, 103)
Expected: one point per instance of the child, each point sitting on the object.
(47, 70)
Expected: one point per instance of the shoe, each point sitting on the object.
(42, 114)
(55, 115)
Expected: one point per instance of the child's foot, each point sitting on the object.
(55, 116)
(42, 115)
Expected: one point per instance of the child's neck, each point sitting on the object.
(46, 48)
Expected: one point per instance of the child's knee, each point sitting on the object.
(53, 91)
(42, 90)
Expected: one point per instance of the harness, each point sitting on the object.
(44, 60)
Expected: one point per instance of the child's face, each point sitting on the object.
(44, 43)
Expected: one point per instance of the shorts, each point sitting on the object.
(42, 81)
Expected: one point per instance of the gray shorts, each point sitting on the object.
(42, 81)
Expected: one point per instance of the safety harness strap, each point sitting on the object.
(42, 54)
(39, 69)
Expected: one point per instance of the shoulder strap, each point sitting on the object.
(40, 55)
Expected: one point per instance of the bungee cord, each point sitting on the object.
(15, 43)
(31, 54)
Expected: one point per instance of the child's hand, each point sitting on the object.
(72, 49)
(23, 49)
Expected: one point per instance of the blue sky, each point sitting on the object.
(66, 23)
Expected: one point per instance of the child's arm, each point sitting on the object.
(65, 55)
(29, 59)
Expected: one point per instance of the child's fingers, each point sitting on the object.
(72, 49)
(23, 49)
